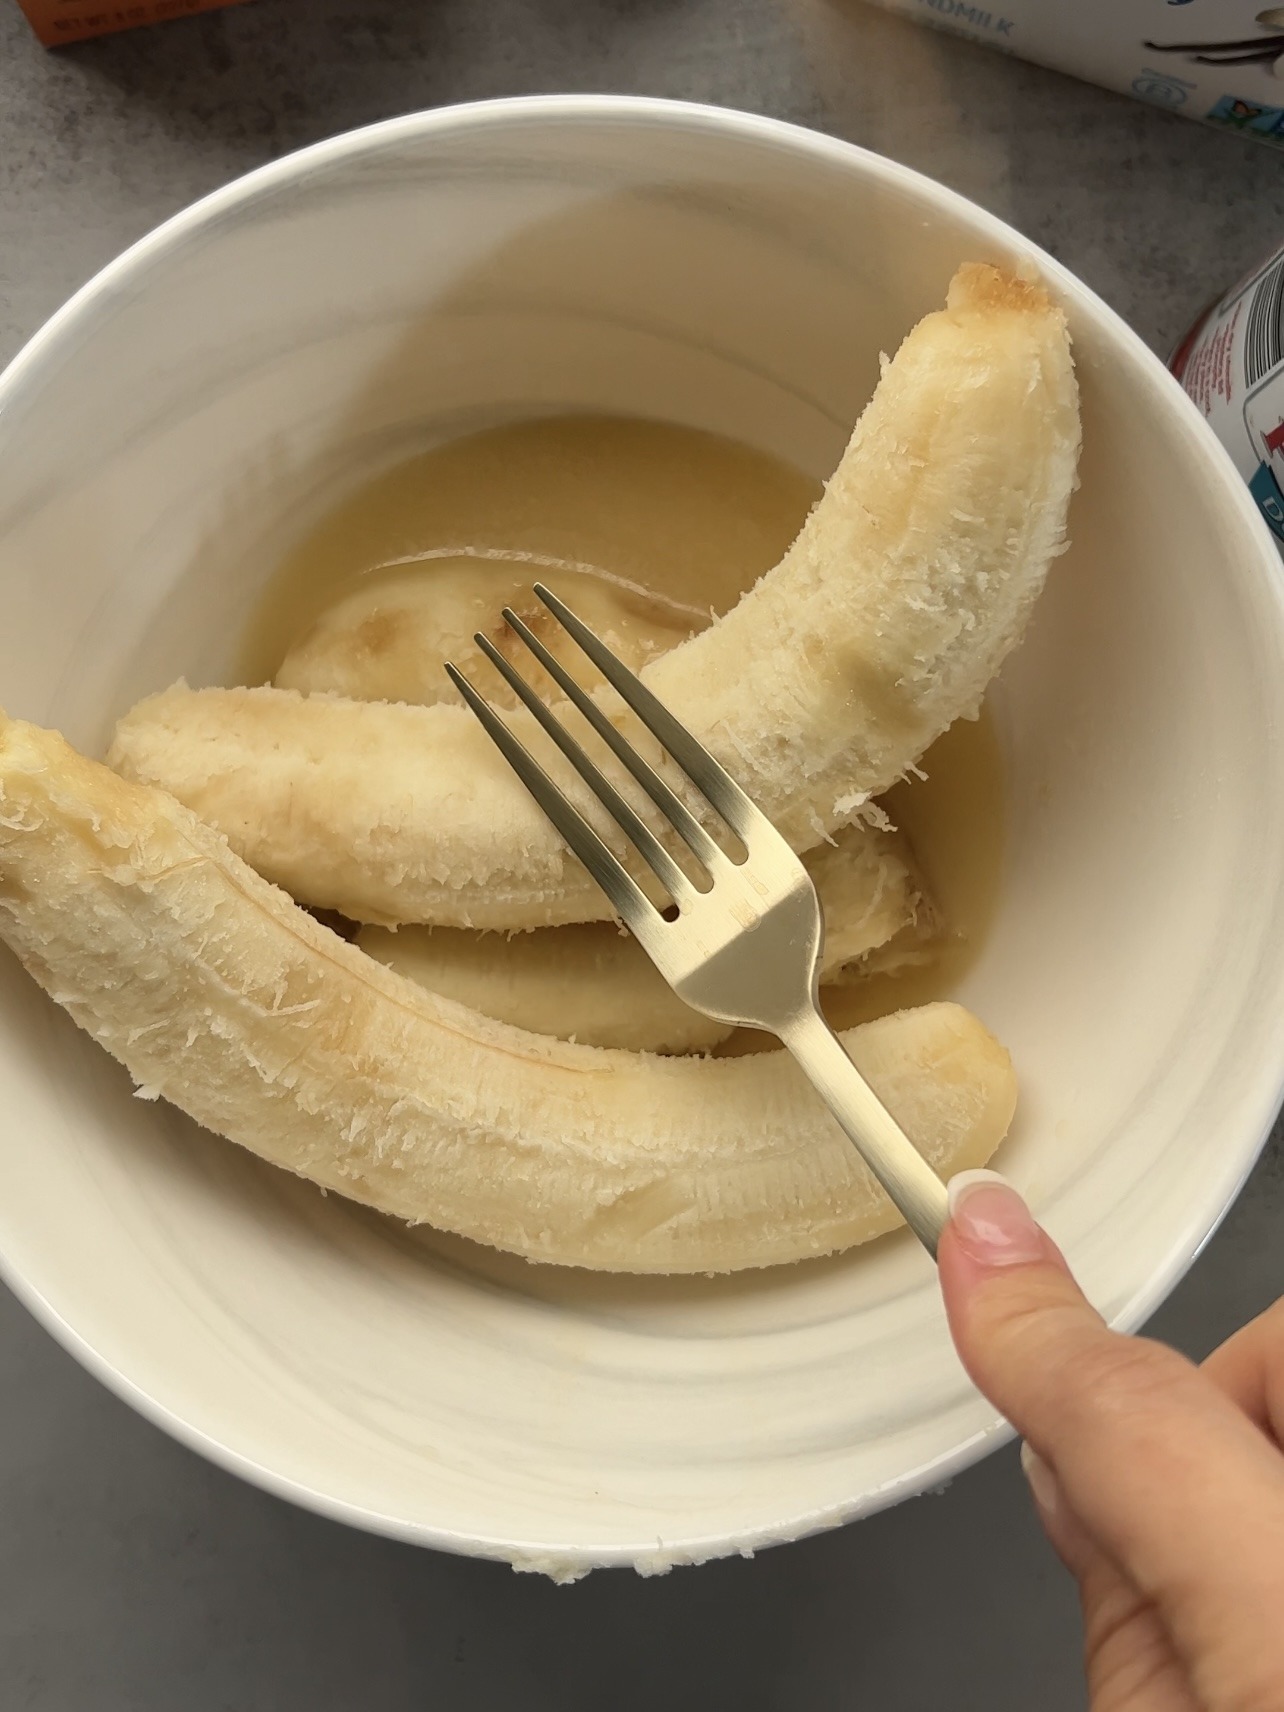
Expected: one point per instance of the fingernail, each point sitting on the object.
(1040, 1479)
(993, 1224)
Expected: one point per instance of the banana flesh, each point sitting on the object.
(888, 617)
(587, 982)
(389, 639)
(217, 992)
(594, 983)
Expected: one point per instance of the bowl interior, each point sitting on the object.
(177, 427)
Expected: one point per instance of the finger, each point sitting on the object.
(1129, 1660)
(1168, 1478)
(1249, 1368)
(1066, 1534)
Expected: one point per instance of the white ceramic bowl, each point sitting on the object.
(187, 415)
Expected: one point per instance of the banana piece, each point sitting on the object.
(909, 584)
(389, 639)
(219, 994)
(872, 895)
(589, 982)
(593, 982)
(914, 947)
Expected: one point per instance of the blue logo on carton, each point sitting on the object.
(1270, 501)
(1161, 87)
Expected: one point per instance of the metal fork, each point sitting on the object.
(747, 949)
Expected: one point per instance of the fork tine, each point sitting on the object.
(688, 827)
(627, 898)
(667, 871)
(720, 789)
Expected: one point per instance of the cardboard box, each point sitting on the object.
(57, 21)
(1221, 61)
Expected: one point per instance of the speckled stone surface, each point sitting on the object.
(133, 1576)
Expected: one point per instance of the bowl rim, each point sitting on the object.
(565, 1561)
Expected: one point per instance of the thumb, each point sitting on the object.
(1167, 1477)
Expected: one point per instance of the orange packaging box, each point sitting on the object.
(58, 21)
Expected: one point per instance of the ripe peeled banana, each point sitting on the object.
(220, 994)
(588, 982)
(593, 983)
(887, 618)
(390, 637)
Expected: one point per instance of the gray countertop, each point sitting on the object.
(134, 1575)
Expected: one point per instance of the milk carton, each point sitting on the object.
(1217, 60)
(1232, 364)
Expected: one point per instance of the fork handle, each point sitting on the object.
(913, 1186)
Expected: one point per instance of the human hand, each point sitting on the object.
(1160, 1484)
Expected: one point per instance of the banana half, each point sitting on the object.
(884, 622)
(592, 982)
(217, 992)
